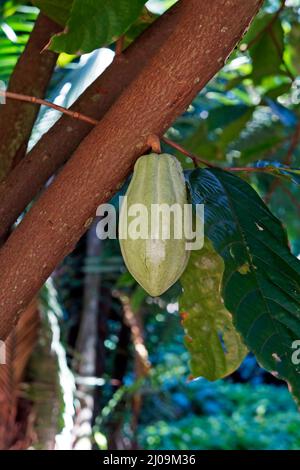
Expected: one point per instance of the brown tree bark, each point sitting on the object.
(58, 144)
(31, 76)
(203, 35)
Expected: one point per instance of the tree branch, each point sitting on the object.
(201, 36)
(58, 144)
(61, 109)
(30, 76)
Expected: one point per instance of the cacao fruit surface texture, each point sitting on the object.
(156, 261)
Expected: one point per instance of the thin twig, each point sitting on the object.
(274, 185)
(287, 161)
(197, 159)
(35, 100)
(292, 197)
(120, 45)
(154, 140)
(250, 169)
(185, 152)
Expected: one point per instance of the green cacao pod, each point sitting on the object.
(155, 254)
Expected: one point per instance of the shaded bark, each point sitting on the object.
(14, 427)
(202, 35)
(58, 144)
(31, 75)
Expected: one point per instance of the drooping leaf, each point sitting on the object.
(57, 10)
(215, 347)
(261, 282)
(278, 90)
(257, 27)
(260, 138)
(223, 125)
(293, 48)
(96, 23)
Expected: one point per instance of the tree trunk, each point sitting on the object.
(31, 76)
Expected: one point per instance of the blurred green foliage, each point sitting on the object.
(235, 417)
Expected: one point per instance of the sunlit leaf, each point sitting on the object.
(96, 23)
(215, 347)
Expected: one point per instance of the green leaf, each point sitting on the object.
(267, 53)
(224, 124)
(233, 130)
(294, 41)
(137, 298)
(57, 10)
(215, 347)
(145, 19)
(96, 23)
(259, 138)
(279, 90)
(261, 282)
(258, 25)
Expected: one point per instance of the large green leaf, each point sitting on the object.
(261, 282)
(260, 138)
(96, 23)
(215, 347)
(267, 53)
(57, 10)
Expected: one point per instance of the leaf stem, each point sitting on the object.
(35, 100)
(152, 140)
(185, 152)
